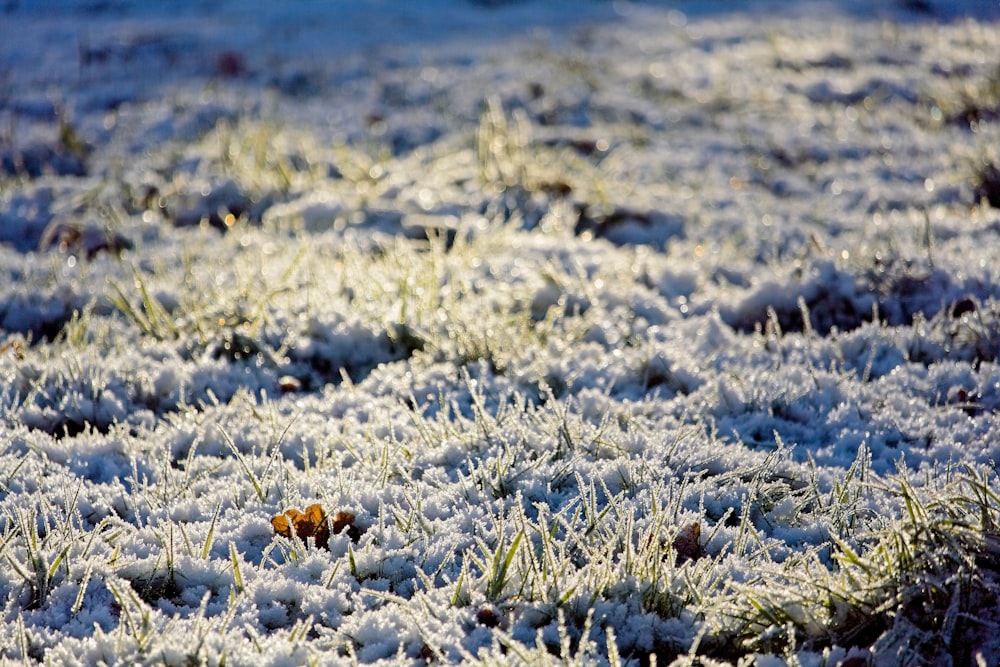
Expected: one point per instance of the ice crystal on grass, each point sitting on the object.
(672, 338)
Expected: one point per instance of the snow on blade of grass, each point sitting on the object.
(666, 337)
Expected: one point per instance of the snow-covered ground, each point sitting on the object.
(622, 330)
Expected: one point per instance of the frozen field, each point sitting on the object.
(602, 333)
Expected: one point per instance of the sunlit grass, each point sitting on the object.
(558, 449)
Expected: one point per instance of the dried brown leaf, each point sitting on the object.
(686, 544)
(311, 523)
(345, 520)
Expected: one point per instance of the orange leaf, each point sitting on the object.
(312, 524)
(282, 526)
(319, 527)
(315, 513)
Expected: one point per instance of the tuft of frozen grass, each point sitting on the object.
(913, 593)
(667, 340)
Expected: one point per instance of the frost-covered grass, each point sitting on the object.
(669, 339)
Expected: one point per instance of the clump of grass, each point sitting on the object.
(916, 591)
(535, 173)
(265, 156)
(230, 320)
(430, 301)
(972, 100)
(502, 147)
(148, 313)
(37, 562)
